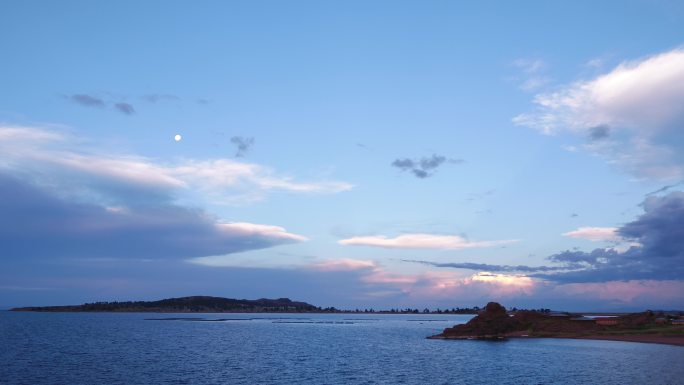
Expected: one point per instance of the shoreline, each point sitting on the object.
(21, 310)
(673, 340)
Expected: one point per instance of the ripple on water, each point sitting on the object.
(73, 348)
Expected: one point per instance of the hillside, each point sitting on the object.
(496, 323)
(194, 304)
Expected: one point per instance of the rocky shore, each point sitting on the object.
(495, 323)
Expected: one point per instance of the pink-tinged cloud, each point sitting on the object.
(595, 234)
(420, 241)
(480, 284)
(433, 285)
(256, 230)
(627, 291)
(381, 276)
(344, 264)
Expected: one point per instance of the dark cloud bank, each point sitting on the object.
(660, 256)
(36, 224)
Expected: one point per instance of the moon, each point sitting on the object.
(177, 138)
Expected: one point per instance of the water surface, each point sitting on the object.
(112, 348)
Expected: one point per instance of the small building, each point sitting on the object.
(661, 320)
(583, 319)
(679, 321)
(606, 321)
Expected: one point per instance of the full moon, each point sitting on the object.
(177, 138)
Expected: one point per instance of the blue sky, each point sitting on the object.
(349, 154)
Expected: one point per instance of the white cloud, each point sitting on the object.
(27, 134)
(420, 241)
(638, 101)
(532, 70)
(344, 264)
(534, 83)
(532, 74)
(266, 231)
(530, 65)
(595, 234)
(219, 174)
(595, 62)
(35, 150)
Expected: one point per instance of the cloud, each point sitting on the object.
(217, 177)
(19, 135)
(36, 224)
(519, 283)
(154, 98)
(44, 156)
(125, 108)
(530, 65)
(638, 103)
(242, 144)
(532, 70)
(344, 264)
(87, 100)
(664, 189)
(420, 241)
(479, 195)
(599, 132)
(627, 291)
(656, 251)
(98, 102)
(596, 62)
(429, 285)
(595, 234)
(656, 254)
(255, 230)
(493, 268)
(423, 167)
(441, 285)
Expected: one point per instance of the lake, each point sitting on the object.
(112, 348)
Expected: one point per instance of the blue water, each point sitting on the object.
(99, 348)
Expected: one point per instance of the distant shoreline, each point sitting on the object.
(209, 304)
(383, 312)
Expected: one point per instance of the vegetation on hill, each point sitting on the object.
(495, 323)
(196, 304)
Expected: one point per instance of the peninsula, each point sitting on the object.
(194, 304)
(495, 323)
(208, 304)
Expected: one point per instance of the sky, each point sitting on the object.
(355, 154)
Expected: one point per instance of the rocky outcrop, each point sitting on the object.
(493, 322)
(496, 323)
